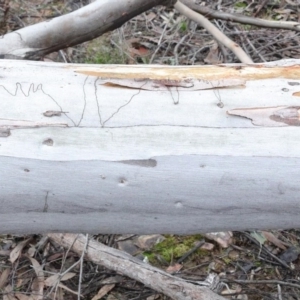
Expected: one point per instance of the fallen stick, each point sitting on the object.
(123, 263)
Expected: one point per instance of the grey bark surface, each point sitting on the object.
(81, 154)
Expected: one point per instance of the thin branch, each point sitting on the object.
(213, 14)
(121, 262)
(84, 24)
(81, 265)
(263, 282)
(212, 29)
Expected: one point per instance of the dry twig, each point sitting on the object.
(212, 29)
(213, 14)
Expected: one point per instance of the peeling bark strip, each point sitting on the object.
(178, 85)
(289, 115)
(290, 69)
(270, 116)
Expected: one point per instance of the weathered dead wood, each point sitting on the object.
(143, 149)
(87, 23)
(123, 263)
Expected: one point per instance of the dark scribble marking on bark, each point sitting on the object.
(122, 106)
(169, 83)
(84, 99)
(19, 87)
(174, 101)
(217, 94)
(97, 100)
(45, 209)
(34, 89)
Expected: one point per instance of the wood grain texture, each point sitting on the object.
(83, 156)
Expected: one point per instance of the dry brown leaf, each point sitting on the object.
(228, 291)
(16, 252)
(38, 286)
(174, 268)
(57, 295)
(52, 280)
(213, 57)
(67, 289)
(111, 280)
(3, 277)
(297, 94)
(224, 239)
(31, 251)
(9, 293)
(68, 276)
(5, 252)
(103, 291)
(207, 246)
(153, 297)
(23, 297)
(273, 239)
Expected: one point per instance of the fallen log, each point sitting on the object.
(145, 149)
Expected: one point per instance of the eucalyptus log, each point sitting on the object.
(145, 149)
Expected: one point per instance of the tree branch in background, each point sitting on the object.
(214, 31)
(213, 14)
(87, 23)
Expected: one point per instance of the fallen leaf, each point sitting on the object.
(174, 268)
(23, 297)
(31, 251)
(67, 289)
(207, 246)
(258, 236)
(16, 252)
(213, 57)
(153, 297)
(103, 291)
(224, 239)
(146, 242)
(52, 280)
(273, 239)
(8, 295)
(38, 286)
(3, 277)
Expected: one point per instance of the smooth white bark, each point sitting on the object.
(84, 156)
